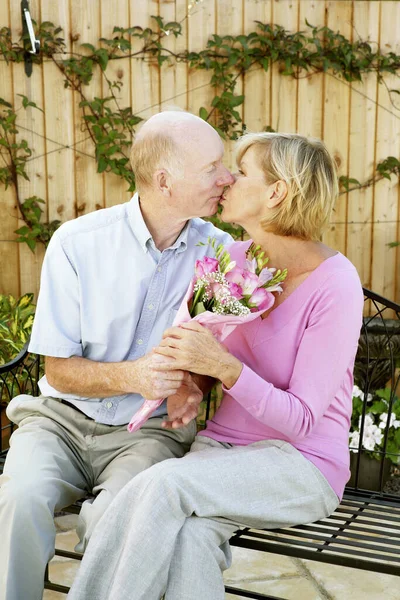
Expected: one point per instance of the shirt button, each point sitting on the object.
(151, 306)
(159, 269)
(109, 404)
(139, 342)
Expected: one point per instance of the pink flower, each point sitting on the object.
(235, 290)
(235, 276)
(251, 265)
(216, 289)
(261, 299)
(207, 265)
(266, 275)
(250, 283)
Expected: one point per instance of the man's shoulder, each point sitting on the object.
(204, 230)
(92, 222)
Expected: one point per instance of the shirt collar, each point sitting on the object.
(143, 235)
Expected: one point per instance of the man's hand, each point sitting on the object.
(183, 406)
(154, 384)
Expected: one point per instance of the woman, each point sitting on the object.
(276, 452)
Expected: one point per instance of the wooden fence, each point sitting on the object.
(360, 122)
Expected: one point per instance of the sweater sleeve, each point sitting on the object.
(327, 349)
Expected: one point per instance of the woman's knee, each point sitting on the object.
(206, 536)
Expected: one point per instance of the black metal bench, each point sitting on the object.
(364, 531)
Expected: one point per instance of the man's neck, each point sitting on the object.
(164, 227)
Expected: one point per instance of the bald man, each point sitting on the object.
(112, 282)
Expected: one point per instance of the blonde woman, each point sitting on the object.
(276, 452)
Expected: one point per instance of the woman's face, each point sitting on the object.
(245, 201)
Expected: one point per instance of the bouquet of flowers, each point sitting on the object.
(375, 424)
(222, 296)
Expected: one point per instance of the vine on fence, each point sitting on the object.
(111, 127)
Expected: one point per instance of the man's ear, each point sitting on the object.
(277, 192)
(162, 182)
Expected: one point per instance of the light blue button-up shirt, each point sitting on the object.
(108, 294)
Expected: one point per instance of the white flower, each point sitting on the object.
(354, 441)
(357, 393)
(393, 421)
(372, 436)
(369, 442)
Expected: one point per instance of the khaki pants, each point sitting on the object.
(56, 456)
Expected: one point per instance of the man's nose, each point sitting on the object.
(226, 178)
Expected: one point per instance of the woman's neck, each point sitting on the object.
(294, 254)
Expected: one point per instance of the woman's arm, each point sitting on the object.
(328, 346)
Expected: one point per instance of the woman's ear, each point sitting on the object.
(162, 182)
(277, 192)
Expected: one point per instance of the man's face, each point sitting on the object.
(199, 191)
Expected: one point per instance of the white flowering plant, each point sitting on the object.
(376, 422)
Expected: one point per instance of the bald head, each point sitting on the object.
(174, 123)
(166, 141)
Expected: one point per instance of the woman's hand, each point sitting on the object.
(183, 406)
(194, 348)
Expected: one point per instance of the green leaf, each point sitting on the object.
(5, 103)
(89, 47)
(101, 165)
(203, 113)
(22, 230)
(31, 243)
(102, 57)
(28, 322)
(236, 101)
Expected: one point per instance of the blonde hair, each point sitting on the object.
(152, 151)
(308, 170)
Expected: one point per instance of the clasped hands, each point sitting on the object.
(192, 347)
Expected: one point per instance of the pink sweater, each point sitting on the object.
(297, 378)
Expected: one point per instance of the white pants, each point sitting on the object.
(56, 456)
(167, 531)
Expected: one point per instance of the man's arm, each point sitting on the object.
(90, 379)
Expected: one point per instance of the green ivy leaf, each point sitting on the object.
(203, 113)
(102, 57)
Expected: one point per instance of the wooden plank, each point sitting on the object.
(362, 149)
(386, 199)
(31, 128)
(59, 122)
(257, 82)
(336, 122)
(229, 21)
(201, 26)
(284, 88)
(85, 28)
(174, 75)
(310, 87)
(145, 74)
(9, 261)
(116, 14)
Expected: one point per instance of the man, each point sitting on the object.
(112, 282)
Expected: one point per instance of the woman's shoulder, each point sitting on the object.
(339, 282)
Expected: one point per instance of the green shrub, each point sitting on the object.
(16, 320)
